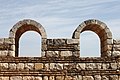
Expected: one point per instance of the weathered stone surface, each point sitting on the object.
(66, 53)
(52, 66)
(16, 78)
(78, 77)
(29, 66)
(114, 66)
(98, 66)
(59, 42)
(11, 53)
(105, 66)
(52, 54)
(97, 77)
(59, 77)
(3, 53)
(88, 78)
(12, 66)
(3, 66)
(73, 41)
(28, 78)
(116, 53)
(68, 78)
(81, 66)
(46, 67)
(38, 66)
(4, 78)
(52, 78)
(90, 66)
(59, 66)
(20, 66)
(38, 78)
(105, 78)
(113, 77)
(45, 78)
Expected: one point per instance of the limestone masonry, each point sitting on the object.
(60, 58)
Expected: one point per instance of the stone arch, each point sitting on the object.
(21, 27)
(101, 30)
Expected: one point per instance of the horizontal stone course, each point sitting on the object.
(60, 58)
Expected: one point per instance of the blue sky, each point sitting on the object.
(59, 18)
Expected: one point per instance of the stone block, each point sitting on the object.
(29, 66)
(52, 54)
(66, 53)
(20, 66)
(90, 66)
(80, 66)
(45, 78)
(73, 41)
(97, 77)
(52, 66)
(4, 78)
(28, 78)
(88, 78)
(59, 66)
(16, 78)
(113, 66)
(59, 42)
(3, 66)
(38, 78)
(68, 78)
(38, 66)
(51, 78)
(12, 66)
(59, 77)
(11, 53)
(13, 47)
(3, 53)
(7, 41)
(116, 53)
(105, 78)
(114, 77)
(98, 66)
(47, 66)
(50, 42)
(78, 77)
(105, 66)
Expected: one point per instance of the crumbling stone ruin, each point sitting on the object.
(60, 58)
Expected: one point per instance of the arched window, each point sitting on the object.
(23, 26)
(89, 44)
(30, 44)
(101, 30)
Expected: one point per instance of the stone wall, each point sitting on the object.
(60, 58)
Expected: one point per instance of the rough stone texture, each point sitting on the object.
(4, 78)
(90, 66)
(66, 53)
(20, 66)
(45, 78)
(3, 66)
(16, 78)
(29, 66)
(113, 77)
(97, 77)
(60, 58)
(38, 78)
(88, 78)
(38, 66)
(81, 66)
(28, 78)
(12, 66)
